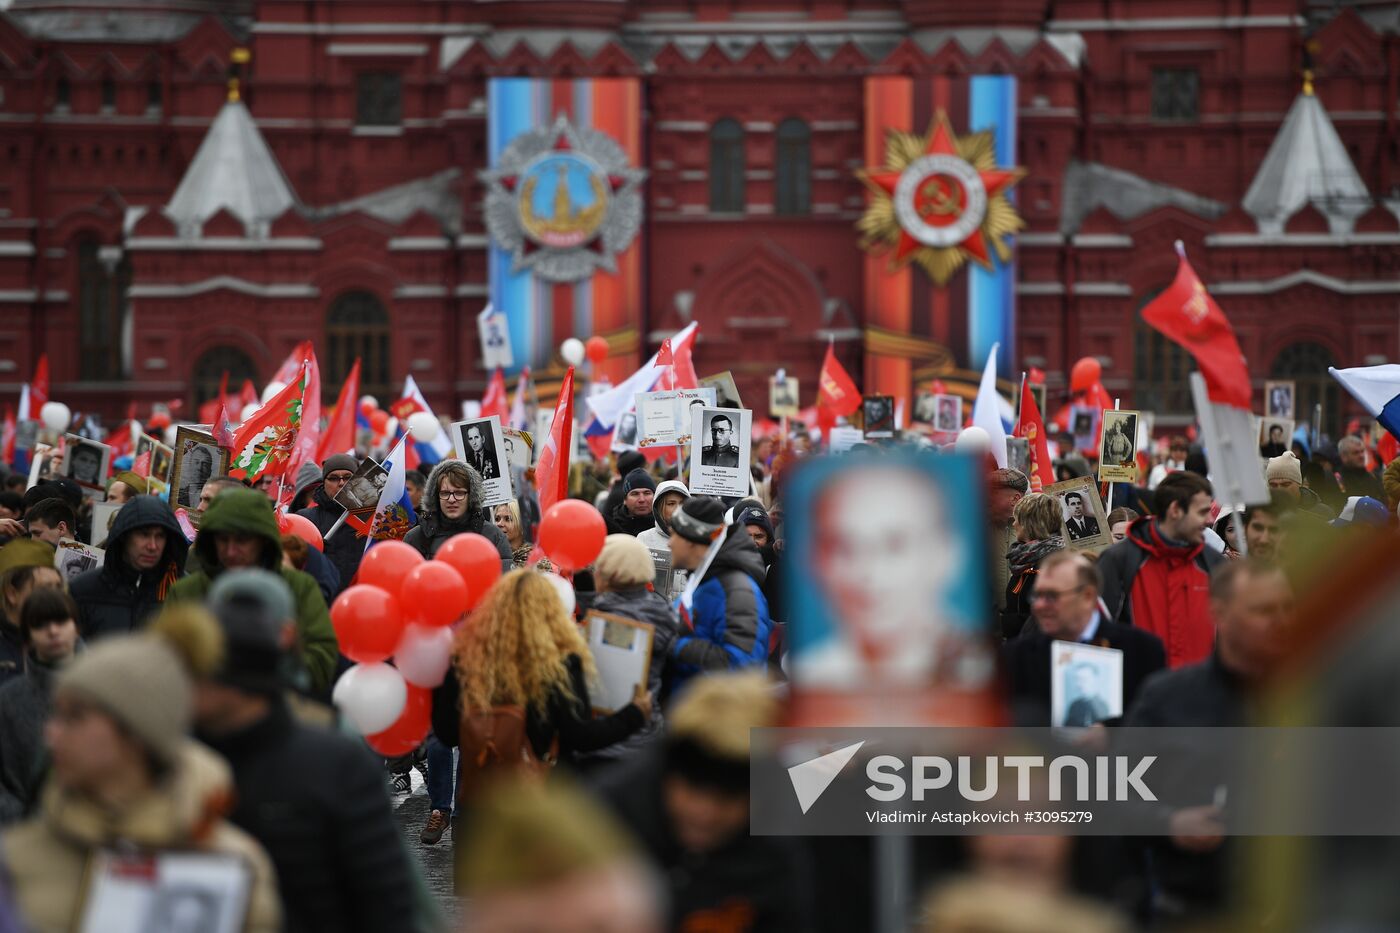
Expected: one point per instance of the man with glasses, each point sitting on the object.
(344, 548)
(721, 451)
(1065, 605)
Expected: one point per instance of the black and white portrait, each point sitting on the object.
(925, 409)
(1079, 518)
(626, 436)
(162, 459)
(361, 491)
(197, 457)
(1278, 399)
(948, 417)
(726, 391)
(1275, 436)
(1085, 526)
(480, 443)
(879, 416)
(86, 462)
(1118, 447)
(782, 396)
(719, 452)
(1086, 684)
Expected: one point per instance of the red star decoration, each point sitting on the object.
(994, 180)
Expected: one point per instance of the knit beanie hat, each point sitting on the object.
(140, 682)
(252, 607)
(754, 515)
(700, 519)
(338, 462)
(629, 460)
(135, 481)
(623, 562)
(1285, 466)
(638, 479)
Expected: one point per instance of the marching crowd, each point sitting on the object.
(178, 698)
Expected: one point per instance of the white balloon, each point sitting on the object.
(170, 434)
(272, 389)
(371, 697)
(572, 351)
(565, 591)
(55, 416)
(973, 440)
(424, 654)
(249, 411)
(373, 402)
(424, 427)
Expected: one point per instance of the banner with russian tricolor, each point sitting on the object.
(940, 266)
(563, 206)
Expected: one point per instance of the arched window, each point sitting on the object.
(727, 167)
(794, 167)
(103, 277)
(1160, 368)
(1305, 364)
(357, 326)
(209, 372)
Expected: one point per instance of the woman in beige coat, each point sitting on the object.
(126, 778)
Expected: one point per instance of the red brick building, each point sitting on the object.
(153, 235)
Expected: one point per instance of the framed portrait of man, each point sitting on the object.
(481, 445)
(925, 409)
(1086, 684)
(1278, 399)
(783, 397)
(948, 414)
(1275, 436)
(198, 456)
(879, 416)
(86, 463)
(167, 892)
(726, 392)
(1118, 447)
(1083, 523)
(360, 494)
(719, 451)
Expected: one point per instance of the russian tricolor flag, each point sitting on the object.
(1377, 388)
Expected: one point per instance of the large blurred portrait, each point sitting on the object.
(886, 583)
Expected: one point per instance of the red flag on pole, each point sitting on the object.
(552, 471)
(494, 402)
(1031, 426)
(39, 387)
(837, 395)
(1187, 315)
(683, 371)
(265, 443)
(248, 395)
(339, 435)
(7, 435)
(664, 356)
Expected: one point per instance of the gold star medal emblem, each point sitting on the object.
(939, 200)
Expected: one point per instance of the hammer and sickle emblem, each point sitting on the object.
(939, 199)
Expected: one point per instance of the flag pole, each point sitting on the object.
(1108, 507)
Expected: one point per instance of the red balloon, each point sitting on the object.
(379, 420)
(303, 528)
(367, 623)
(434, 593)
(1085, 372)
(571, 534)
(409, 730)
(367, 408)
(596, 349)
(475, 559)
(387, 565)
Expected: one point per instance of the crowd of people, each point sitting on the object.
(177, 698)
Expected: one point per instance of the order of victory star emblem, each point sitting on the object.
(939, 200)
(563, 201)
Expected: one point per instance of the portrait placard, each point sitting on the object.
(86, 462)
(664, 417)
(947, 414)
(878, 412)
(74, 557)
(719, 451)
(621, 650)
(1082, 519)
(1084, 425)
(360, 494)
(481, 445)
(520, 450)
(1278, 399)
(726, 392)
(103, 514)
(494, 333)
(1275, 436)
(41, 464)
(198, 456)
(166, 892)
(1086, 684)
(1118, 447)
(843, 437)
(783, 397)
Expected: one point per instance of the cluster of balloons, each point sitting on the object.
(421, 425)
(404, 607)
(573, 351)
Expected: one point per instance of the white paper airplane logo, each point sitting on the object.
(811, 778)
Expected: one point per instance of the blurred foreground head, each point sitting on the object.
(546, 857)
(977, 906)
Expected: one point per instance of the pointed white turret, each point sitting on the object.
(1307, 164)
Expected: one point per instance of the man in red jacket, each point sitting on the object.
(1158, 577)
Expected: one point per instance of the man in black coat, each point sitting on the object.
(1251, 603)
(315, 799)
(344, 549)
(146, 553)
(1065, 604)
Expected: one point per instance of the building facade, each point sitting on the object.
(155, 233)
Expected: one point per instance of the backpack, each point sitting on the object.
(494, 744)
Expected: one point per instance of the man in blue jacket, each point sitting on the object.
(726, 625)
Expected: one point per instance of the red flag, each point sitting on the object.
(683, 370)
(247, 395)
(39, 387)
(7, 436)
(837, 395)
(264, 445)
(309, 434)
(1386, 449)
(1187, 315)
(223, 431)
(1032, 428)
(664, 356)
(552, 471)
(287, 372)
(339, 435)
(494, 402)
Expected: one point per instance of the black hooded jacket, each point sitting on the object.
(621, 521)
(345, 549)
(434, 529)
(116, 598)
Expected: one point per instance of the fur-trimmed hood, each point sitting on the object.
(429, 514)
